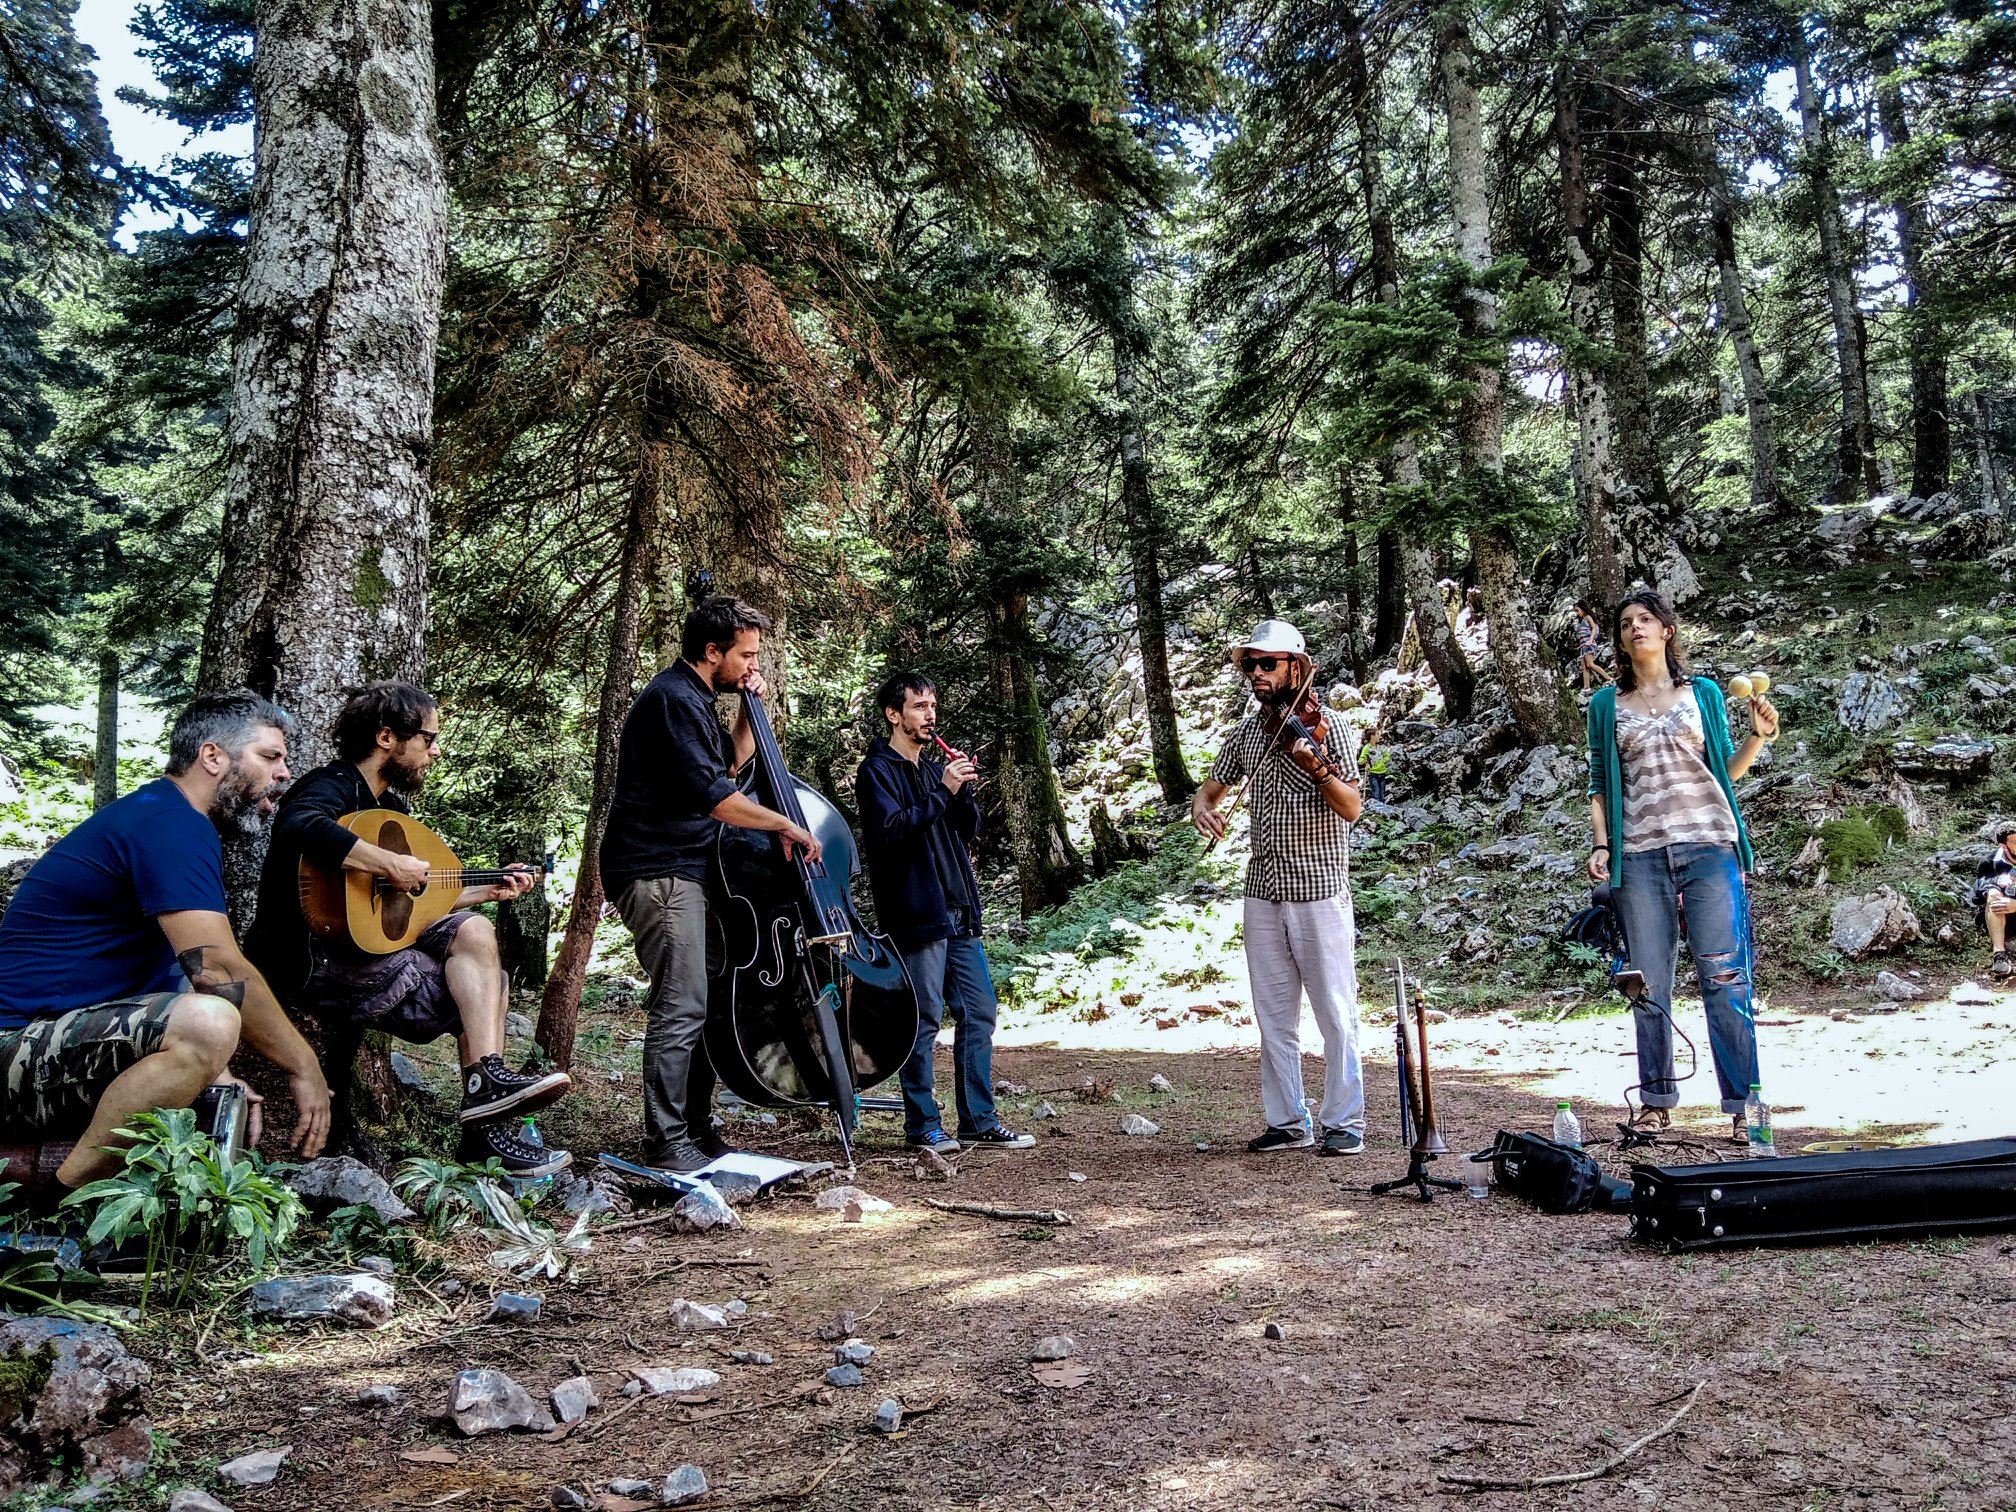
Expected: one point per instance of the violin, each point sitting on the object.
(1299, 726)
(805, 1005)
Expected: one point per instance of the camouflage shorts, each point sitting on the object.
(55, 1069)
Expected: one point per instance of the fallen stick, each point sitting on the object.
(716, 1264)
(1538, 1482)
(1007, 1215)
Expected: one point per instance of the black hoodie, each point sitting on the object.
(914, 836)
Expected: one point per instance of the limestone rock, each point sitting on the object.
(844, 1375)
(489, 1401)
(258, 1468)
(1894, 988)
(1868, 704)
(362, 1298)
(689, 1316)
(336, 1181)
(1955, 758)
(1968, 537)
(1134, 1123)
(888, 1416)
(1055, 1347)
(89, 1402)
(686, 1484)
(1872, 925)
(573, 1398)
(189, 1499)
(662, 1380)
(704, 1208)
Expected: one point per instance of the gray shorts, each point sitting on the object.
(404, 994)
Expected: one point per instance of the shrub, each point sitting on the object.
(183, 1196)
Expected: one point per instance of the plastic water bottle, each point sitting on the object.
(1567, 1127)
(1757, 1123)
(529, 1132)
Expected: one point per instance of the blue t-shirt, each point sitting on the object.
(80, 929)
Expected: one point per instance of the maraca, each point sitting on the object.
(1757, 683)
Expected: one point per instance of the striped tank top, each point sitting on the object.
(1670, 795)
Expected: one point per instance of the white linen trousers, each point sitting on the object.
(1292, 948)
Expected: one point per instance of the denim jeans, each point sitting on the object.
(1718, 935)
(951, 974)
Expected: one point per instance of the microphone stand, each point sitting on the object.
(1418, 1129)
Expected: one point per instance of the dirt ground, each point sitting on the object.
(1464, 1337)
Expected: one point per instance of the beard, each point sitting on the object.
(239, 806)
(401, 777)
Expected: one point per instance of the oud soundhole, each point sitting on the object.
(395, 910)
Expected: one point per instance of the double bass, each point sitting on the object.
(806, 1005)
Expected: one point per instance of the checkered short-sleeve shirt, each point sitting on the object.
(1301, 847)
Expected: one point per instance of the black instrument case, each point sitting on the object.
(1923, 1189)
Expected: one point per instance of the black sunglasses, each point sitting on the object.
(432, 737)
(1248, 665)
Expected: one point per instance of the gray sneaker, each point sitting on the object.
(1342, 1142)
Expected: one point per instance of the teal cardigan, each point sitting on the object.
(1606, 766)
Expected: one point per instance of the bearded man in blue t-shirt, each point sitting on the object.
(121, 986)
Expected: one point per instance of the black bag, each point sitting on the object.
(1555, 1177)
(1924, 1189)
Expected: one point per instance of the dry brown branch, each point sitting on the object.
(1538, 1482)
(1006, 1215)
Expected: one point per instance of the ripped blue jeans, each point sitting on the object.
(1718, 935)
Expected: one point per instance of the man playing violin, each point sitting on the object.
(918, 816)
(675, 788)
(448, 981)
(1298, 926)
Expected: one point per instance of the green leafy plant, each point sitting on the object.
(444, 1190)
(183, 1198)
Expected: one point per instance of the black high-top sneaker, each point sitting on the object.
(491, 1089)
(520, 1157)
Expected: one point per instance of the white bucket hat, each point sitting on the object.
(1277, 636)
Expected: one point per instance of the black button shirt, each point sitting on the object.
(672, 768)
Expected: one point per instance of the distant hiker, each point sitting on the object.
(1994, 895)
(1298, 925)
(450, 980)
(918, 816)
(121, 987)
(1376, 757)
(1589, 644)
(1662, 802)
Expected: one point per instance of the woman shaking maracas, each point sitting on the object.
(1662, 801)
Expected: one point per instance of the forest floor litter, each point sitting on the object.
(1115, 1320)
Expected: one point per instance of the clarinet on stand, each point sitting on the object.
(1418, 1129)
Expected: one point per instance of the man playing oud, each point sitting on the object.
(1298, 926)
(448, 981)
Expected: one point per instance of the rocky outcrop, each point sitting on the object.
(71, 1400)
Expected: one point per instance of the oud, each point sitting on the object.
(375, 915)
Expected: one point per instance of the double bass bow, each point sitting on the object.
(806, 1005)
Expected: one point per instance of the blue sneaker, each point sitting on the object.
(937, 1141)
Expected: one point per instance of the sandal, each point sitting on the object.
(1651, 1118)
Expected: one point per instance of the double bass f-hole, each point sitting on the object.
(781, 948)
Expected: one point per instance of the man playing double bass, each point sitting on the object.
(1298, 926)
(675, 788)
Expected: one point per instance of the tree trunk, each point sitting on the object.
(1530, 688)
(1144, 532)
(1855, 457)
(323, 582)
(523, 926)
(1389, 609)
(1439, 647)
(1589, 391)
(1986, 464)
(105, 762)
(1931, 427)
(1765, 490)
(1047, 865)
(1645, 512)
(1354, 584)
(560, 1006)
(1402, 466)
